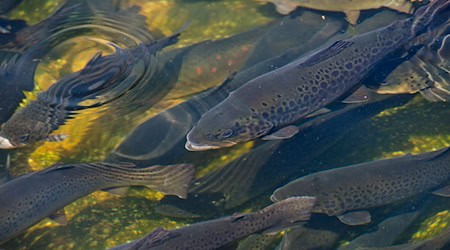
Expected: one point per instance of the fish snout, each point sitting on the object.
(197, 142)
(5, 143)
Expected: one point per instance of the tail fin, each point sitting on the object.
(171, 179)
(292, 211)
(427, 14)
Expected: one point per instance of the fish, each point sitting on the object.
(101, 77)
(350, 8)
(216, 233)
(345, 192)
(28, 199)
(8, 5)
(303, 238)
(4, 166)
(259, 242)
(268, 103)
(388, 231)
(427, 72)
(168, 146)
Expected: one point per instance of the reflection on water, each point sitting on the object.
(139, 100)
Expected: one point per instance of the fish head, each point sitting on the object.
(224, 126)
(19, 131)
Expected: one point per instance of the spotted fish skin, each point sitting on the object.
(371, 184)
(219, 232)
(290, 93)
(28, 199)
(102, 75)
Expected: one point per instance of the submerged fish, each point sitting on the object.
(101, 77)
(351, 8)
(4, 166)
(26, 200)
(219, 232)
(427, 72)
(280, 97)
(344, 192)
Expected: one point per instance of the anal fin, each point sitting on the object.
(362, 94)
(283, 133)
(59, 217)
(355, 218)
(352, 16)
(444, 192)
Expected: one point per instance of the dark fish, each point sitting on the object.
(4, 166)
(26, 200)
(271, 101)
(388, 231)
(219, 232)
(343, 192)
(304, 238)
(102, 76)
(7, 5)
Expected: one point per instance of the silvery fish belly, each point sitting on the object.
(278, 98)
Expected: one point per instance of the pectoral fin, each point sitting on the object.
(318, 112)
(352, 16)
(59, 217)
(355, 218)
(360, 95)
(444, 192)
(117, 190)
(283, 133)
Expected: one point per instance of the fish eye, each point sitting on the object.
(227, 133)
(24, 137)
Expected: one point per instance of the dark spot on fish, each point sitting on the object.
(291, 103)
(280, 110)
(279, 96)
(314, 89)
(265, 115)
(349, 65)
(335, 73)
(299, 89)
(264, 104)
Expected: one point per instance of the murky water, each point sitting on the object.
(156, 99)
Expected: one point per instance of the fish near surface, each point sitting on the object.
(101, 77)
(26, 200)
(220, 232)
(273, 100)
(351, 8)
(371, 184)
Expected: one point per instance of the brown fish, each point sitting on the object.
(272, 101)
(344, 192)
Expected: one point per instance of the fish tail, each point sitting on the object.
(170, 179)
(434, 13)
(292, 211)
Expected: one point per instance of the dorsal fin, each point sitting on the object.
(56, 166)
(329, 52)
(155, 238)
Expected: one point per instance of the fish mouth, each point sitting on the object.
(5, 143)
(198, 147)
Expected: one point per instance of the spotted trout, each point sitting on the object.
(26, 200)
(102, 76)
(344, 192)
(268, 103)
(216, 233)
